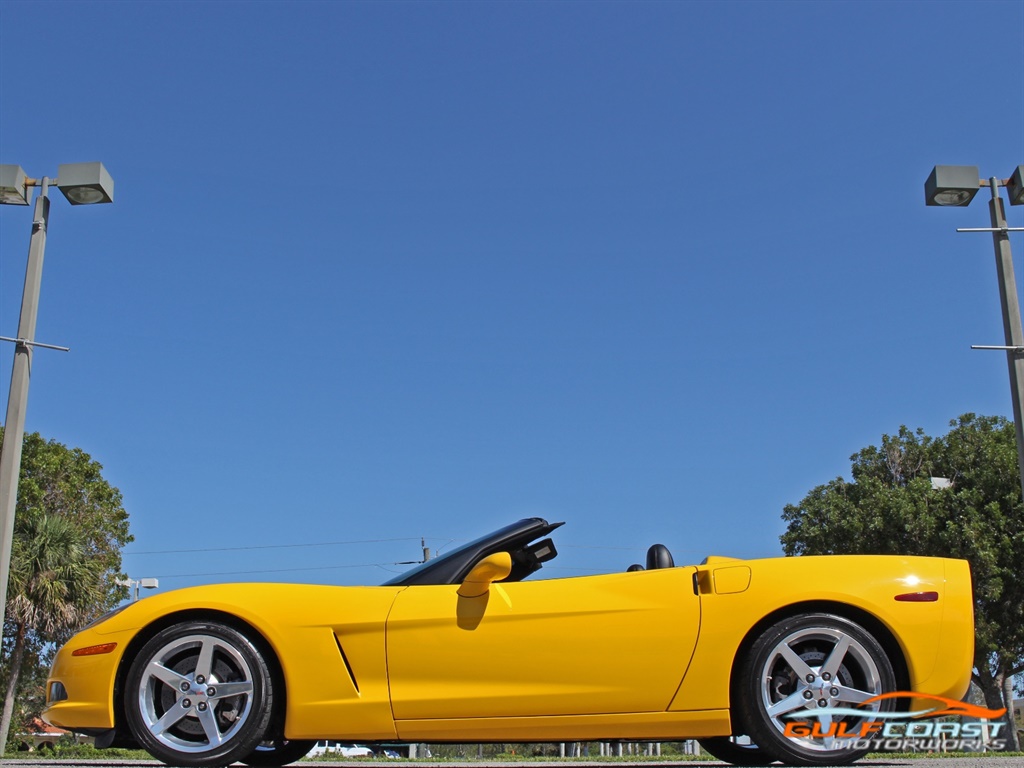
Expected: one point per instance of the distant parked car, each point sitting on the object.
(355, 751)
(320, 748)
(342, 750)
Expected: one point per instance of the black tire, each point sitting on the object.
(806, 665)
(199, 694)
(278, 752)
(729, 751)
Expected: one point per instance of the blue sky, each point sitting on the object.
(383, 271)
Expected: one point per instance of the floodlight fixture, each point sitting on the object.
(135, 584)
(1015, 186)
(13, 185)
(952, 185)
(85, 183)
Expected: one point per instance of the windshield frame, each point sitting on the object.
(452, 567)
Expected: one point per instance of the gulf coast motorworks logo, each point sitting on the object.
(903, 731)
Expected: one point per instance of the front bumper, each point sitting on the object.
(80, 688)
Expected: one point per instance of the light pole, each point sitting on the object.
(134, 584)
(956, 185)
(82, 184)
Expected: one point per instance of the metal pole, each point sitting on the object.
(17, 400)
(1011, 316)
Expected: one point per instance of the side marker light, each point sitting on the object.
(94, 650)
(917, 597)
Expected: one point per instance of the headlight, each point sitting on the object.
(104, 617)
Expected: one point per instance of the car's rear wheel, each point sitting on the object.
(277, 752)
(803, 672)
(199, 694)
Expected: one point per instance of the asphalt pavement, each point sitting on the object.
(981, 761)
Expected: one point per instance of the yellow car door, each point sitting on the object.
(591, 645)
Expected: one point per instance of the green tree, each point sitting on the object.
(891, 507)
(51, 579)
(70, 527)
(36, 658)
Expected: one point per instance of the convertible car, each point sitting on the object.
(462, 649)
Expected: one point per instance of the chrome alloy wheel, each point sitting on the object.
(814, 670)
(195, 693)
(200, 693)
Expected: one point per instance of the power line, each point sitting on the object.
(285, 570)
(268, 546)
(383, 566)
(337, 543)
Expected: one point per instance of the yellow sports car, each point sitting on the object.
(461, 649)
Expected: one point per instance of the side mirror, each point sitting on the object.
(492, 568)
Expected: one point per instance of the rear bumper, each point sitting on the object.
(950, 676)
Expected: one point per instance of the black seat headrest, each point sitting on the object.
(658, 556)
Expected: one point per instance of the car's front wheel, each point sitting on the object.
(199, 694)
(803, 684)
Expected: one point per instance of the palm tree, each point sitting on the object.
(52, 579)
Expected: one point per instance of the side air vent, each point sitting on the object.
(344, 658)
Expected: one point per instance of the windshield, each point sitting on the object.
(451, 567)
